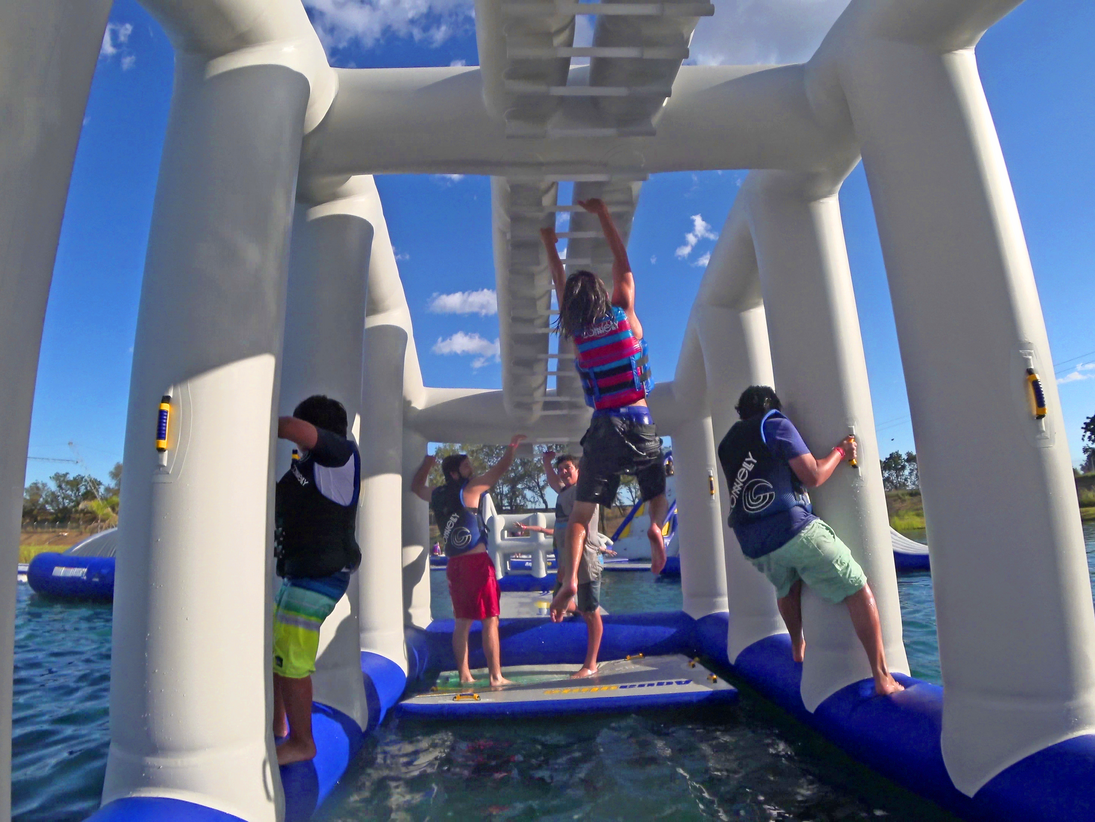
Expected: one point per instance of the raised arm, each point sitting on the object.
(478, 485)
(813, 472)
(303, 433)
(558, 275)
(623, 281)
(553, 479)
(418, 483)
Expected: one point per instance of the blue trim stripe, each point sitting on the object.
(651, 700)
(158, 809)
(600, 342)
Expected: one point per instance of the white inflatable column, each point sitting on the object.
(48, 51)
(382, 493)
(703, 570)
(997, 482)
(324, 326)
(416, 538)
(735, 354)
(821, 376)
(192, 603)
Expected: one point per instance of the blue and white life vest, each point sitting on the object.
(761, 485)
(462, 529)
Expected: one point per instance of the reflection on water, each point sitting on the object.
(747, 762)
(60, 730)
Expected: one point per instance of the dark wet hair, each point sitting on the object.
(757, 399)
(559, 460)
(323, 412)
(585, 300)
(451, 465)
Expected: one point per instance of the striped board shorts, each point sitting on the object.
(299, 609)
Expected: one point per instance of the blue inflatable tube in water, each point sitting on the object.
(67, 576)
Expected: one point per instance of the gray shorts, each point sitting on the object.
(589, 595)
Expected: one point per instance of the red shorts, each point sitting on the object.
(472, 586)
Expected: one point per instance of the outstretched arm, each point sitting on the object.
(418, 484)
(478, 485)
(549, 470)
(303, 433)
(623, 281)
(558, 275)
(813, 472)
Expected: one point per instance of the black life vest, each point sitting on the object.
(462, 529)
(314, 535)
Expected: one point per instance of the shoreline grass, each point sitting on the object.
(29, 552)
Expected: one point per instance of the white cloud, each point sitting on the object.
(115, 40)
(763, 31)
(483, 302)
(701, 262)
(399, 255)
(653, 259)
(447, 179)
(363, 23)
(700, 231)
(483, 350)
(1084, 371)
(458, 63)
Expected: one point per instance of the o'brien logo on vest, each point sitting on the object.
(759, 493)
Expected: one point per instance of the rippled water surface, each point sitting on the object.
(749, 762)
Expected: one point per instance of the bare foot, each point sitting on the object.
(562, 601)
(584, 673)
(281, 729)
(887, 685)
(500, 682)
(657, 548)
(294, 750)
(798, 649)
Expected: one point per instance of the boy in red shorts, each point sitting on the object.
(472, 584)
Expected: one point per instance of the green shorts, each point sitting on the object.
(817, 557)
(300, 608)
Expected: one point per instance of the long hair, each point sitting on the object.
(585, 300)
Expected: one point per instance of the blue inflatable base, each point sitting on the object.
(71, 577)
(899, 737)
(911, 563)
(526, 582)
(307, 784)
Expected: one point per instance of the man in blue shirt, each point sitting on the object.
(768, 468)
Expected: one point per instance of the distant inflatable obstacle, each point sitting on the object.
(908, 555)
(83, 572)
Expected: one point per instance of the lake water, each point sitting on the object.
(747, 763)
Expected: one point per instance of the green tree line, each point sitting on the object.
(73, 500)
(524, 486)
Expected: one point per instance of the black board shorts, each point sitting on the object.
(620, 441)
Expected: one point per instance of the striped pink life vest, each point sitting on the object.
(613, 365)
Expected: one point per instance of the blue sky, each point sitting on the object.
(1037, 74)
